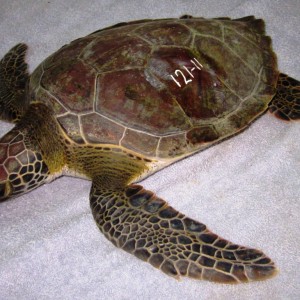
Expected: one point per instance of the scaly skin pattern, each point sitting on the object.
(142, 224)
(31, 153)
(284, 105)
(24, 168)
(14, 80)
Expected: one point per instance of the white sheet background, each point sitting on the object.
(245, 189)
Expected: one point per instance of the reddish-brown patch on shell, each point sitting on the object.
(67, 52)
(205, 96)
(130, 98)
(72, 83)
(167, 33)
(165, 60)
(106, 54)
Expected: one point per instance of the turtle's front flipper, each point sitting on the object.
(13, 84)
(286, 103)
(137, 221)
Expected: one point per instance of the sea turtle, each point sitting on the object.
(126, 101)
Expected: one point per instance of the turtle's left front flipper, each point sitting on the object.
(286, 103)
(139, 222)
(13, 84)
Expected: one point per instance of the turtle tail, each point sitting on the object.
(14, 80)
(144, 225)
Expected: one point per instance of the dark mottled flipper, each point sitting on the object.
(137, 221)
(286, 103)
(13, 84)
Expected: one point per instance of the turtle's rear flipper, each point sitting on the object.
(286, 103)
(13, 84)
(137, 221)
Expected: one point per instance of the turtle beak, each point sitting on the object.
(5, 190)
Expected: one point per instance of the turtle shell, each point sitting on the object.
(161, 88)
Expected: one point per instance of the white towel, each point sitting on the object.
(245, 189)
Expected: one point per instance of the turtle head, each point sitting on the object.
(21, 165)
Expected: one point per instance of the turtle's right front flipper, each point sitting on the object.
(13, 84)
(137, 221)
